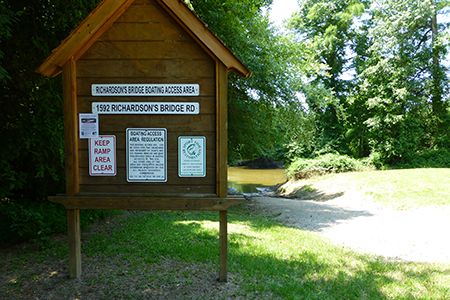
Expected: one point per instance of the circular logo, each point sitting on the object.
(192, 149)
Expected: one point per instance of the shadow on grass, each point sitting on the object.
(175, 254)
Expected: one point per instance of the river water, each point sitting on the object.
(247, 180)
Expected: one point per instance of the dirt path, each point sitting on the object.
(416, 235)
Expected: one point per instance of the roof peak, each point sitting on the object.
(108, 11)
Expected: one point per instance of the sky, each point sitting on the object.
(282, 9)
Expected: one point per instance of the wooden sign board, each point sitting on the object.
(156, 79)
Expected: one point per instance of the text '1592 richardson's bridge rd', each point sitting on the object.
(145, 114)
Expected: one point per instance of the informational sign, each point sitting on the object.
(157, 108)
(88, 126)
(139, 89)
(191, 156)
(146, 154)
(102, 156)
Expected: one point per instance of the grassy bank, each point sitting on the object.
(401, 189)
(174, 255)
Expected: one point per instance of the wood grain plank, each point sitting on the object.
(145, 50)
(146, 68)
(148, 31)
(165, 190)
(147, 203)
(145, 13)
(172, 178)
(177, 123)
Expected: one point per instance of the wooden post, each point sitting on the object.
(73, 224)
(223, 252)
(72, 173)
(221, 131)
(71, 127)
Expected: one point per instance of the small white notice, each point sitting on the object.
(154, 108)
(145, 90)
(88, 126)
(191, 156)
(146, 154)
(102, 156)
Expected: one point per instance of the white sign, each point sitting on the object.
(164, 108)
(102, 156)
(146, 154)
(139, 89)
(192, 156)
(88, 126)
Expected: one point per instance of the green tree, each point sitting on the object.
(402, 82)
(327, 27)
(31, 156)
(264, 110)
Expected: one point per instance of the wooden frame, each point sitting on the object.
(108, 11)
(73, 58)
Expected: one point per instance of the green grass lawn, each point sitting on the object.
(174, 255)
(398, 188)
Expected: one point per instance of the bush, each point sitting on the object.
(329, 163)
(31, 220)
(374, 160)
(426, 159)
(25, 220)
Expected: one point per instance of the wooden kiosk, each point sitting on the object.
(145, 114)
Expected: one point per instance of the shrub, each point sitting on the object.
(329, 163)
(30, 220)
(374, 160)
(426, 159)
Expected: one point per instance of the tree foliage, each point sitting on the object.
(327, 27)
(403, 82)
(31, 156)
(396, 104)
(259, 106)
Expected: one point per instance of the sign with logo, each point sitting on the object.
(146, 154)
(102, 156)
(192, 156)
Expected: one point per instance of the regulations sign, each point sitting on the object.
(157, 108)
(191, 156)
(139, 89)
(102, 156)
(146, 155)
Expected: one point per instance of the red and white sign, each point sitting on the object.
(102, 156)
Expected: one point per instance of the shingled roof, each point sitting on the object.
(108, 11)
